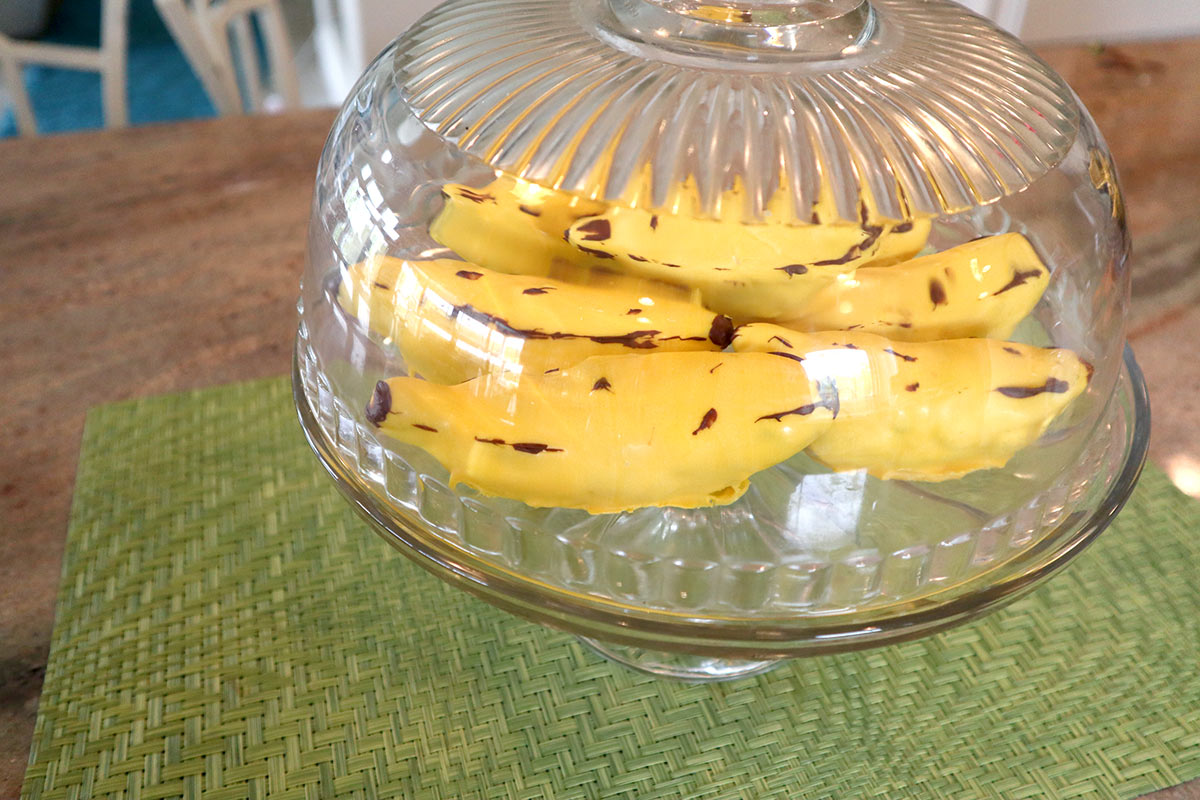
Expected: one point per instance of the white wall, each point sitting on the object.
(1033, 20)
(1092, 20)
(1008, 14)
(346, 36)
(1109, 20)
(350, 33)
(384, 20)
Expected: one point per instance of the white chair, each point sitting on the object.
(217, 38)
(109, 60)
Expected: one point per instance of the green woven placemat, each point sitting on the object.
(227, 628)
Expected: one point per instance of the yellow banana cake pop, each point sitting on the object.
(613, 433)
(452, 321)
(514, 226)
(927, 411)
(766, 271)
(979, 289)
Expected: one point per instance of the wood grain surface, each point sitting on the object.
(132, 262)
(165, 258)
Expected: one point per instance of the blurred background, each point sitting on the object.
(185, 59)
(71, 64)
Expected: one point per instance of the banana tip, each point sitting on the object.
(380, 405)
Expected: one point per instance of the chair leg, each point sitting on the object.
(283, 60)
(247, 54)
(14, 84)
(116, 101)
(191, 42)
(217, 45)
(114, 46)
(335, 58)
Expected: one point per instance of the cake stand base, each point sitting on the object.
(680, 666)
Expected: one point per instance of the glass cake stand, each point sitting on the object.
(962, 578)
(858, 271)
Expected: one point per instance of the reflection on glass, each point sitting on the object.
(823, 511)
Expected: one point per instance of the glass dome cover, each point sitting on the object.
(917, 107)
(731, 329)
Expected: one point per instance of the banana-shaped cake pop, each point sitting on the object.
(979, 289)
(766, 271)
(513, 226)
(927, 411)
(613, 432)
(453, 321)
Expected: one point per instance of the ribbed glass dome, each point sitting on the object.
(921, 108)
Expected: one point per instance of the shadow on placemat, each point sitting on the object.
(227, 627)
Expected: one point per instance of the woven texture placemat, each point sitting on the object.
(227, 628)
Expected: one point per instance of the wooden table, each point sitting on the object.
(165, 258)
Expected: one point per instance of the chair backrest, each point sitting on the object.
(109, 60)
(219, 40)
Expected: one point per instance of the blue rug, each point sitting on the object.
(160, 83)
